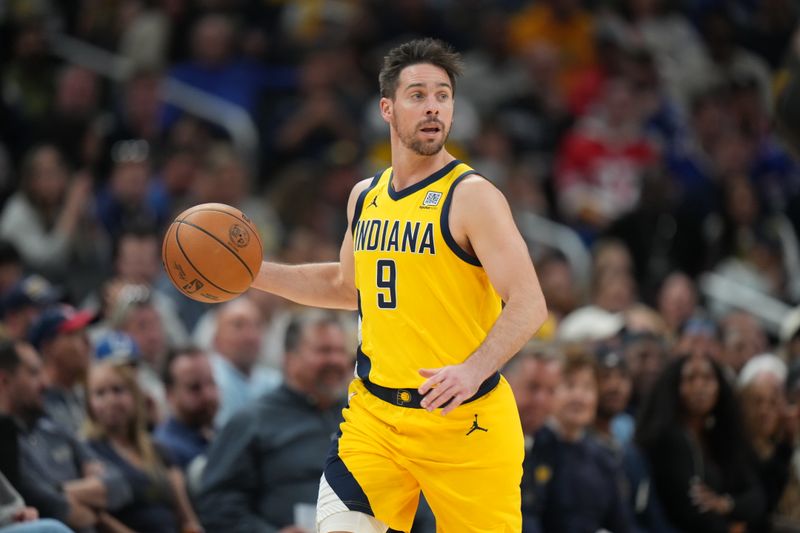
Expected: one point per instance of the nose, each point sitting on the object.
(432, 106)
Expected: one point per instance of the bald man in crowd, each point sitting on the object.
(237, 345)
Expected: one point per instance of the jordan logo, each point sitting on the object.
(373, 202)
(475, 426)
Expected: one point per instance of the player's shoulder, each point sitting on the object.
(475, 190)
(366, 183)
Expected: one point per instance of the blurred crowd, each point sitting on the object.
(661, 394)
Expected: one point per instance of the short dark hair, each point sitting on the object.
(137, 231)
(9, 357)
(304, 320)
(579, 357)
(542, 353)
(9, 254)
(167, 376)
(432, 51)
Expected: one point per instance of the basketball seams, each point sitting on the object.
(164, 254)
(250, 224)
(186, 256)
(225, 245)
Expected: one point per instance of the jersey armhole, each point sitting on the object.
(360, 201)
(445, 224)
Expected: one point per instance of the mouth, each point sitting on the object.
(431, 129)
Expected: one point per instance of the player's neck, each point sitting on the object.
(408, 167)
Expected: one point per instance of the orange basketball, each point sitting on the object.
(212, 252)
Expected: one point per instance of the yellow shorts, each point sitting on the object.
(468, 463)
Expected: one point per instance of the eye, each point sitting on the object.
(444, 97)
(416, 96)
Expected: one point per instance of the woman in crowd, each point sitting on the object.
(689, 429)
(117, 433)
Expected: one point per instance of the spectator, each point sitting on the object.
(645, 355)
(137, 262)
(75, 108)
(193, 399)
(772, 438)
(11, 267)
(117, 432)
(613, 426)
(790, 337)
(743, 337)
(677, 300)
(561, 24)
(138, 114)
(12, 507)
(264, 467)
(15, 517)
(601, 163)
(23, 302)
(45, 217)
(582, 492)
(559, 286)
(237, 346)
(60, 336)
(131, 198)
(534, 376)
(134, 312)
(59, 475)
(690, 431)
(215, 69)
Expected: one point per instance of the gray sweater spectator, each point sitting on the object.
(58, 474)
(263, 469)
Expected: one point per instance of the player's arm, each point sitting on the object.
(481, 217)
(330, 285)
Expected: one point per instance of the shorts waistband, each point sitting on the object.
(411, 398)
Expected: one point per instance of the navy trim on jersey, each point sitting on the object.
(445, 224)
(360, 201)
(411, 189)
(363, 364)
(343, 483)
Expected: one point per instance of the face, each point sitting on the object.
(26, 385)
(49, 177)
(239, 331)
(193, 396)
(144, 326)
(129, 181)
(677, 299)
(111, 402)
(421, 112)
(699, 388)
(614, 387)
(576, 400)
(762, 405)
(645, 358)
(559, 287)
(138, 259)
(534, 384)
(321, 365)
(71, 352)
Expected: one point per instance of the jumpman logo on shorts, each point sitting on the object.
(475, 426)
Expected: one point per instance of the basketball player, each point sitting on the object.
(446, 293)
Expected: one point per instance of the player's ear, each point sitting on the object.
(387, 108)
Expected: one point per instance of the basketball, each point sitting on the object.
(212, 252)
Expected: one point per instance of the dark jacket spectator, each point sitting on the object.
(690, 430)
(269, 457)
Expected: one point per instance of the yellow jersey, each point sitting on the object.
(424, 302)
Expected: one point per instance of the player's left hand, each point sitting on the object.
(454, 383)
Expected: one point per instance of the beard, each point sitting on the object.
(417, 145)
